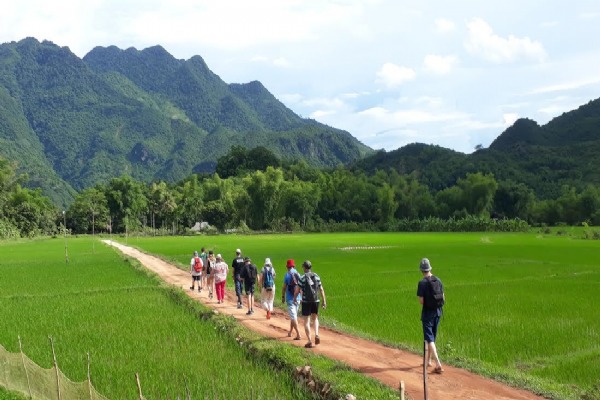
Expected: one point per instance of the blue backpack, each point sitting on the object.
(268, 281)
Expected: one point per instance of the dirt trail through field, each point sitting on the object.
(388, 365)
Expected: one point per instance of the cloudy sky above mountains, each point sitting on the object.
(391, 72)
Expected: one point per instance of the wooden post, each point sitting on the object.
(425, 369)
(89, 376)
(55, 368)
(25, 368)
(402, 388)
(139, 385)
(187, 389)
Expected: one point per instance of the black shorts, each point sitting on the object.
(310, 308)
(196, 278)
(249, 287)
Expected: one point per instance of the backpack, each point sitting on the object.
(310, 288)
(436, 294)
(268, 281)
(292, 285)
(197, 264)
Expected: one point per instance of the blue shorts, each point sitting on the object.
(430, 327)
(292, 310)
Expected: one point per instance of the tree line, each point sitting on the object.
(253, 189)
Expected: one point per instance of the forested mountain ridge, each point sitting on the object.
(71, 122)
(565, 151)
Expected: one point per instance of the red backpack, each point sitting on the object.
(197, 264)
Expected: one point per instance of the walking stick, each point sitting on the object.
(425, 369)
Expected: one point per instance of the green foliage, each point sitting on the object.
(129, 323)
(492, 281)
(74, 123)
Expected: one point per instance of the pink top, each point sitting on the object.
(220, 271)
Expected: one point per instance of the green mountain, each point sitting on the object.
(70, 123)
(565, 151)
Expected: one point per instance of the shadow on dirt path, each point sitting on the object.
(386, 364)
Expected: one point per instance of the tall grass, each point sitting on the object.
(517, 302)
(128, 323)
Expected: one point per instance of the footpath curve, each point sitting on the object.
(386, 364)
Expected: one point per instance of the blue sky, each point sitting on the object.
(390, 72)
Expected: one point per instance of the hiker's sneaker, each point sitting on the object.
(252, 311)
(268, 314)
(317, 340)
(249, 312)
(239, 305)
(199, 290)
(191, 288)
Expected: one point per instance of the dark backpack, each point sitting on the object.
(197, 264)
(310, 288)
(251, 272)
(435, 299)
(268, 281)
(291, 287)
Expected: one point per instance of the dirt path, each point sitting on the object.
(388, 365)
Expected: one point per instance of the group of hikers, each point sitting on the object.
(210, 271)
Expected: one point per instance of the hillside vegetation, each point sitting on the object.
(70, 123)
(565, 151)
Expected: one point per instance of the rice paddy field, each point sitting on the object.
(520, 307)
(129, 324)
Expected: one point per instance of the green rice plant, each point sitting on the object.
(98, 303)
(519, 305)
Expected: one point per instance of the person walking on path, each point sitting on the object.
(204, 258)
(287, 296)
(196, 270)
(431, 295)
(237, 266)
(267, 285)
(210, 279)
(219, 273)
(248, 274)
(310, 286)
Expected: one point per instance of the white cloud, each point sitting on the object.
(321, 113)
(554, 109)
(410, 116)
(483, 42)
(433, 102)
(589, 15)
(392, 75)
(509, 119)
(444, 25)
(565, 86)
(439, 65)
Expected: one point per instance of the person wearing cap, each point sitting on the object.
(210, 265)
(430, 315)
(196, 267)
(287, 296)
(219, 273)
(310, 286)
(267, 294)
(248, 274)
(237, 266)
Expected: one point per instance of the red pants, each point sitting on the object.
(220, 288)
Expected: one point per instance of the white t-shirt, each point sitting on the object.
(192, 263)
